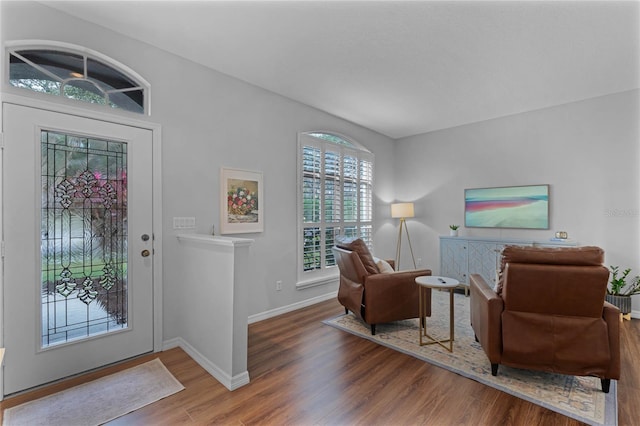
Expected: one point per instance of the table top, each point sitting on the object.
(433, 281)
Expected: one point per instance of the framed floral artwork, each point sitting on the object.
(241, 204)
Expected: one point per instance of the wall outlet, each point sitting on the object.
(419, 261)
(278, 285)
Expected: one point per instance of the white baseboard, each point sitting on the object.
(241, 379)
(231, 383)
(293, 307)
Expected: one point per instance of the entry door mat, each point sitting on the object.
(100, 400)
(580, 398)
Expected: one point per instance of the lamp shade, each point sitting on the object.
(399, 210)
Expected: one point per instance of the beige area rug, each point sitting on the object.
(98, 401)
(578, 397)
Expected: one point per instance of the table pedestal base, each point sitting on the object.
(423, 322)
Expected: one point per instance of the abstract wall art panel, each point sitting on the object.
(525, 207)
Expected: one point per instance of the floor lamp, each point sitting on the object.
(402, 211)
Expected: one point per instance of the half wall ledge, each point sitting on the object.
(214, 309)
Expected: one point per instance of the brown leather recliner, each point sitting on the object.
(372, 296)
(548, 313)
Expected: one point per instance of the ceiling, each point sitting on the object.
(398, 67)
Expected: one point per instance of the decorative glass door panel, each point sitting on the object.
(77, 218)
(83, 237)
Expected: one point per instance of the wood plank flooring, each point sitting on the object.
(305, 373)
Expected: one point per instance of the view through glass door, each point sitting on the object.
(83, 246)
(78, 263)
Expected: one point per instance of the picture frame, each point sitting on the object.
(241, 201)
(516, 207)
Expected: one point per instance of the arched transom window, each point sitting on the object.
(76, 75)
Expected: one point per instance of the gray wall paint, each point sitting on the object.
(210, 120)
(587, 151)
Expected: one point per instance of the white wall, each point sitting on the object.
(586, 151)
(589, 152)
(210, 120)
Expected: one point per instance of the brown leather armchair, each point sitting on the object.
(373, 296)
(548, 313)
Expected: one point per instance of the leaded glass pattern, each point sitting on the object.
(83, 237)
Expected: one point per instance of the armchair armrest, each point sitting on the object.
(388, 297)
(401, 276)
(611, 315)
(486, 310)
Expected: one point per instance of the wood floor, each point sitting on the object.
(305, 373)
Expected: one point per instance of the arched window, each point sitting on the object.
(335, 175)
(75, 73)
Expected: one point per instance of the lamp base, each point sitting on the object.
(403, 224)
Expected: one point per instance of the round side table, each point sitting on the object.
(435, 282)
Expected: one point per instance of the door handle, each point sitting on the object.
(145, 253)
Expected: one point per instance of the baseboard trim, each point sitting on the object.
(239, 380)
(293, 307)
(231, 383)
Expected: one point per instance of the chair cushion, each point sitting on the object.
(579, 256)
(364, 254)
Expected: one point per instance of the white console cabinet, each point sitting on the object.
(462, 256)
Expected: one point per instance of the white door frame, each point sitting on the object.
(7, 98)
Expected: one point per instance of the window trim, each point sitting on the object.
(18, 45)
(326, 275)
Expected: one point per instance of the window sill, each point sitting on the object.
(314, 282)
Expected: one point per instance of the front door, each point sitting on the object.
(78, 261)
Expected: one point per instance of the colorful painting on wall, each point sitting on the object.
(241, 201)
(525, 207)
